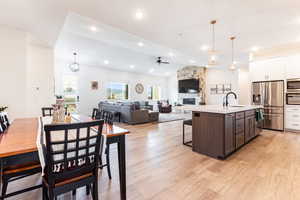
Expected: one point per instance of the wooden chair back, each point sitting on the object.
(76, 153)
(4, 122)
(47, 111)
(95, 113)
(107, 116)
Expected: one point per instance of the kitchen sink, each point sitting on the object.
(237, 106)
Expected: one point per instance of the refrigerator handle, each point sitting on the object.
(262, 101)
(266, 94)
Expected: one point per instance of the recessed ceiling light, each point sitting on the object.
(139, 15)
(204, 47)
(132, 66)
(255, 48)
(171, 54)
(167, 73)
(93, 28)
(106, 62)
(192, 61)
(151, 70)
(141, 44)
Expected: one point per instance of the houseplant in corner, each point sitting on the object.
(3, 108)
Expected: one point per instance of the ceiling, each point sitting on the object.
(168, 25)
(119, 48)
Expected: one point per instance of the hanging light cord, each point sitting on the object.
(74, 57)
(213, 34)
(232, 49)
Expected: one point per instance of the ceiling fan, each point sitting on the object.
(160, 61)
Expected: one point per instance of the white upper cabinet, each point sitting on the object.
(293, 67)
(257, 71)
(272, 69)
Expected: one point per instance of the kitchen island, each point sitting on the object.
(219, 131)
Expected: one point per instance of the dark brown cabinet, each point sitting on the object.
(218, 135)
(229, 133)
(250, 129)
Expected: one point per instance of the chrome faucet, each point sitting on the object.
(226, 98)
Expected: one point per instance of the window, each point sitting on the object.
(70, 92)
(154, 92)
(117, 91)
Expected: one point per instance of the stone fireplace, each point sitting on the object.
(193, 72)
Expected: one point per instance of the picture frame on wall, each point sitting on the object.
(94, 85)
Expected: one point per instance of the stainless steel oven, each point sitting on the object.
(293, 98)
(293, 85)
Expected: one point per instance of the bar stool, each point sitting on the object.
(188, 122)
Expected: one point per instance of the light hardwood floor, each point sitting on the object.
(160, 167)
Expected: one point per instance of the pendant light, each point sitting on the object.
(74, 67)
(232, 66)
(212, 60)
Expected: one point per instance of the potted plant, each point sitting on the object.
(3, 108)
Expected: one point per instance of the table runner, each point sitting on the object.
(59, 136)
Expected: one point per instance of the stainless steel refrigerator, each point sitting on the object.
(270, 94)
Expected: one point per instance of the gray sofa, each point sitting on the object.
(131, 112)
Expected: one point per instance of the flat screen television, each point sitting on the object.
(188, 86)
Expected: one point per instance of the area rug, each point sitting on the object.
(168, 117)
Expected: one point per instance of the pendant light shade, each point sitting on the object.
(232, 66)
(212, 53)
(74, 67)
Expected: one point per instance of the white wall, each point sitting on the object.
(244, 86)
(90, 98)
(13, 70)
(173, 88)
(40, 78)
(220, 76)
(23, 66)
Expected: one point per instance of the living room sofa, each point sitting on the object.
(130, 112)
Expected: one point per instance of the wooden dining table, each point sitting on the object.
(19, 145)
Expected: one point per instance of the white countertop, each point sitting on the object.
(219, 108)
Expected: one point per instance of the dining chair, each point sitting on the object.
(108, 118)
(72, 161)
(47, 111)
(95, 113)
(1, 127)
(13, 171)
(4, 122)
